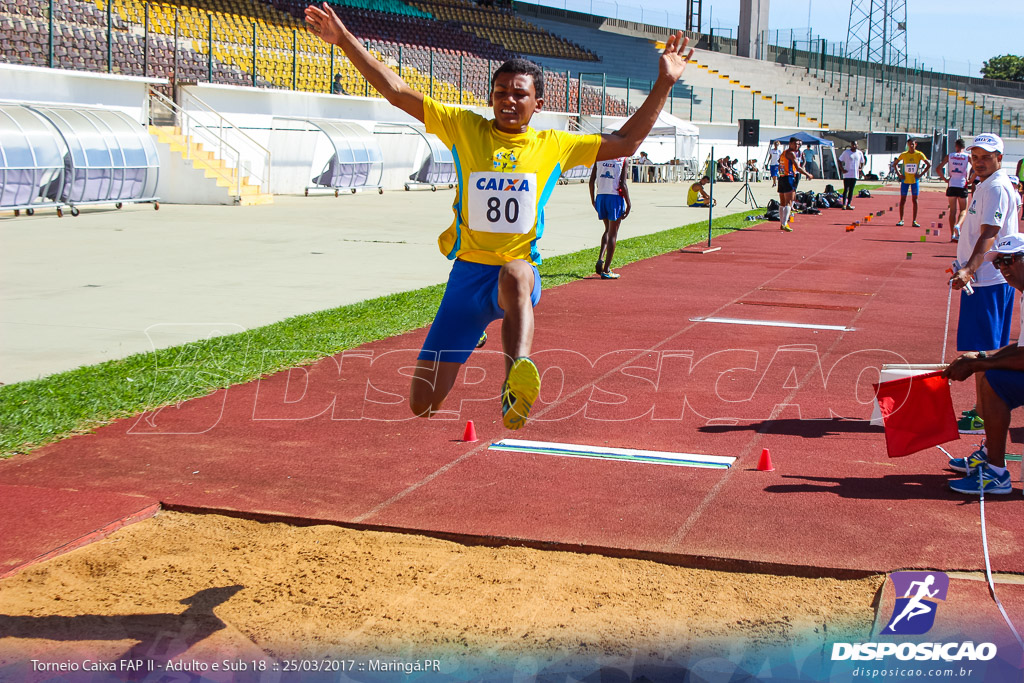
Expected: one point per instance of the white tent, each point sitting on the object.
(671, 137)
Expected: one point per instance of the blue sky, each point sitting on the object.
(994, 30)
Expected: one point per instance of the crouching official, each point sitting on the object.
(1000, 389)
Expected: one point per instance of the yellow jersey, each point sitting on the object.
(911, 165)
(693, 195)
(504, 183)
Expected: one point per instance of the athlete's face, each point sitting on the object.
(985, 163)
(514, 100)
(1011, 267)
(911, 146)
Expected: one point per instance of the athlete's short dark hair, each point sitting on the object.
(517, 65)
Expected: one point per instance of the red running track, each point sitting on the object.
(625, 365)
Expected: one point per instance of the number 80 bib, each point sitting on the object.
(502, 202)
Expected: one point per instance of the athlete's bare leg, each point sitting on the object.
(610, 236)
(515, 284)
(431, 383)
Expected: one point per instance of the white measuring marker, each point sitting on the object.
(601, 453)
(771, 323)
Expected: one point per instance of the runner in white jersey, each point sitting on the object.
(774, 154)
(612, 203)
(959, 163)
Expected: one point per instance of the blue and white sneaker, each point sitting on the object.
(968, 464)
(983, 476)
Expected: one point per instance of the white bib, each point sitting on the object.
(910, 169)
(609, 174)
(502, 202)
(959, 164)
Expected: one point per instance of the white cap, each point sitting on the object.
(988, 142)
(1011, 244)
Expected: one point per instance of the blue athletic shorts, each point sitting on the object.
(610, 207)
(697, 205)
(985, 318)
(913, 188)
(469, 305)
(1008, 385)
(774, 170)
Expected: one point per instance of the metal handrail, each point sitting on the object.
(184, 121)
(222, 123)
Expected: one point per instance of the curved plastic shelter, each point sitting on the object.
(31, 159)
(438, 168)
(110, 157)
(580, 173)
(356, 163)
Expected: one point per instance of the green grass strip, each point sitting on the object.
(37, 412)
(870, 186)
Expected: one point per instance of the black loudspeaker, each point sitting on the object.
(749, 133)
(886, 143)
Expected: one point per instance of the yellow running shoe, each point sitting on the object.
(519, 392)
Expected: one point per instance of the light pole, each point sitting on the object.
(809, 25)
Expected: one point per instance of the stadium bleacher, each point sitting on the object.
(506, 28)
(266, 45)
(448, 48)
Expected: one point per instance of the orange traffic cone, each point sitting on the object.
(469, 436)
(765, 463)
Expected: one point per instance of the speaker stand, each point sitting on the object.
(748, 195)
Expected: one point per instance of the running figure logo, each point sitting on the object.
(914, 612)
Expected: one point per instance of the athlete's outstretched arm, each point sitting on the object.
(325, 24)
(625, 141)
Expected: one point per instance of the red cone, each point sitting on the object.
(469, 436)
(765, 463)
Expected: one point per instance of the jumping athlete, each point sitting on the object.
(959, 163)
(789, 167)
(612, 203)
(507, 172)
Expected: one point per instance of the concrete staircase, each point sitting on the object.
(209, 179)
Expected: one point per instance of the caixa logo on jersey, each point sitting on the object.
(914, 613)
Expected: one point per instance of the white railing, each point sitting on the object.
(199, 122)
(254, 152)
